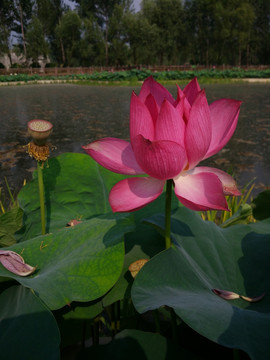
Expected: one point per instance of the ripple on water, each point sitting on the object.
(81, 114)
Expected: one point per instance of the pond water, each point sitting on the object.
(81, 114)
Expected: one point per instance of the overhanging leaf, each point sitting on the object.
(205, 257)
(79, 263)
(28, 329)
(76, 188)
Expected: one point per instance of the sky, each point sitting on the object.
(136, 4)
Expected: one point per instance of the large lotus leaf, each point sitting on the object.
(75, 186)
(79, 263)
(28, 330)
(135, 344)
(206, 257)
(10, 222)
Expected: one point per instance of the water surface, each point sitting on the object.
(81, 114)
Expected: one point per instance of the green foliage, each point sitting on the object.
(36, 43)
(261, 205)
(79, 263)
(206, 257)
(68, 37)
(10, 222)
(240, 211)
(67, 197)
(82, 273)
(27, 327)
(140, 75)
(110, 33)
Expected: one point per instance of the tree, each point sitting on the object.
(92, 49)
(68, 32)
(167, 16)
(23, 10)
(200, 31)
(7, 17)
(142, 38)
(260, 35)
(50, 12)
(103, 11)
(36, 43)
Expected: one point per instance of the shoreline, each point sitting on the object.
(106, 82)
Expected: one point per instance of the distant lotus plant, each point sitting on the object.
(168, 139)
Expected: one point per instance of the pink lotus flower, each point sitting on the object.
(168, 139)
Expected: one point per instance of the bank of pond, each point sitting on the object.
(134, 75)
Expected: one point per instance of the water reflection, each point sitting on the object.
(81, 114)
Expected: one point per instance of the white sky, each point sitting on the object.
(135, 2)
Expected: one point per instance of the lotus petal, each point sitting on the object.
(141, 121)
(201, 191)
(14, 263)
(226, 295)
(228, 182)
(153, 107)
(115, 155)
(170, 125)
(252, 299)
(159, 92)
(134, 193)
(198, 130)
(224, 117)
(229, 295)
(160, 159)
(182, 105)
(192, 90)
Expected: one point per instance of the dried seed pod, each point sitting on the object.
(40, 130)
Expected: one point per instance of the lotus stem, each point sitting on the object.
(41, 197)
(168, 241)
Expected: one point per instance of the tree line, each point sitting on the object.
(111, 33)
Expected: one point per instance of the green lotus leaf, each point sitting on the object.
(28, 330)
(76, 188)
(79, 263)
(206, 257)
